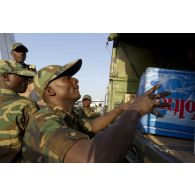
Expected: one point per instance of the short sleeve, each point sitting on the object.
(59, 142)
(48, 137)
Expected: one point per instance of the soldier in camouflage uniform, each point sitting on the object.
(14, 109)
(18, 52)
(54, 134)
(87, 111)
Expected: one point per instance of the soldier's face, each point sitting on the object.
(66, 88)
(18, 83)
(19, 54)
(86, 103)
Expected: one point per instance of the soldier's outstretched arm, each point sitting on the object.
(109, 146)
(103, 121)
(114, 142)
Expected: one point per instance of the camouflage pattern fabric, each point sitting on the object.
(14, 114)
(49, 73)
(30, 67)
(12, 67)
(50, 133)
(87, 113)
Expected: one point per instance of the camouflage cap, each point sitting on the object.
(88, 97)
(12, 67)
(49, 73)
(16, 45)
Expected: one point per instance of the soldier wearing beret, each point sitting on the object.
(55, 134)
(15, 110)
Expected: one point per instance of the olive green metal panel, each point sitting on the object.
(127, 65)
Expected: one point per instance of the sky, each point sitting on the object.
(62, 48)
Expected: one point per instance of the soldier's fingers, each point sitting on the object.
(156, 113)
(152, 90)
(160, 104)
(159, 95)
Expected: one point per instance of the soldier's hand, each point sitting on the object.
(125, 106)
(147, 103)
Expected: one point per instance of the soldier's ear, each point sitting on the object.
(6, 77)
(50, 91)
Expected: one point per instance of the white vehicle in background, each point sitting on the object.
(6, 41)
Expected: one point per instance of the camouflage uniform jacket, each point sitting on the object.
(14, 112)
(50, 133)
(87, 113)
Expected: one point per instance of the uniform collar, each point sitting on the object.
(58, 111)
(8, 92)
